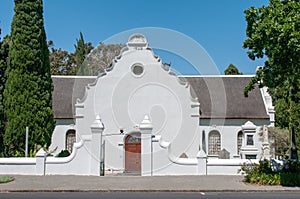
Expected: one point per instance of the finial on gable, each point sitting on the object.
(137, 41)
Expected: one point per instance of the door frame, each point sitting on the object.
(137, 134)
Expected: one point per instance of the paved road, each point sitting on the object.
(150, 195)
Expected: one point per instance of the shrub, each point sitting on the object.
(265, 173)
(290, 174)
(261, 174)
(63, 153)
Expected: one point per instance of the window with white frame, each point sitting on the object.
(214, 143)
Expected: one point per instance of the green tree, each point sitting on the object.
(4, 49)
(61, 61)
(82, 49)
(232, 70)
(28, 89)
(274, 31)
(100, 58)
(279, 141)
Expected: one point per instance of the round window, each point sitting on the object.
(137, 69)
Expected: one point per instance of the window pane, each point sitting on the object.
(214, 143)
(250, 156)
(70, 140)
(250, 140)
(239, 141)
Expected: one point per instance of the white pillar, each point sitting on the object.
(41, 162)
(146, 146)
(202, 163)
(96, 129)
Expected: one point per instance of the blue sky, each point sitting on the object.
(218, 25)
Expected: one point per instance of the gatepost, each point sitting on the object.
(146, 142)
(202, 162)
(40, 162)
(97, 167)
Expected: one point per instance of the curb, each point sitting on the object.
(162, 190)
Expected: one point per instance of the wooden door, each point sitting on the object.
(133, 154)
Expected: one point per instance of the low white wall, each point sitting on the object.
(226, 166)
(78, 163)
(83, 161)
(23, 166)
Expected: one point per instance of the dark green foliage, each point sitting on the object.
(82, 49)
(265, 173)
(28, 89)
(290, 175)
(232, 70)
(4, 49)
(273, 31)
(61, 62)
(290, 179)
(63, 153)
(261, 174)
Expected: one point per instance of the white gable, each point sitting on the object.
(138, 84)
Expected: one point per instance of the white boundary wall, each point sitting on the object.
(79, 163)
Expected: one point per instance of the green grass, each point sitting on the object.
(5, 179)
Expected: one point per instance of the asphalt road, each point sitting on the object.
(148, 195)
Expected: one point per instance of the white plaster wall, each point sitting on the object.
(226, 167)
(59, 134)
(78, 163)
(114, 152)
(163, 165)
(122, 99)
(229, 130)
(18, 166)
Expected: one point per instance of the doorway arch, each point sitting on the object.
(133, 153)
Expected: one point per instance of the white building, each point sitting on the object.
(140, 117)
(148, 120)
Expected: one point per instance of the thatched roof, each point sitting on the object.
(223, 97)
(219, 97)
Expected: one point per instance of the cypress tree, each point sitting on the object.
(82, 49)
(28, 89)
(4, 48)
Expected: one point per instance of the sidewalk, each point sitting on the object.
(135, 183)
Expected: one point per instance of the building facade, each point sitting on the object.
(149, 121)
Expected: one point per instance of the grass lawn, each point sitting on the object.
(5, 179)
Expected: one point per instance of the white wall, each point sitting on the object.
(229, 129)
(122, 99)
(58, 140)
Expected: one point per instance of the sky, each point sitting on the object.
(219, 26)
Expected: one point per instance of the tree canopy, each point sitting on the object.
(4, 49)
(232, 70)
(82, 49)
(28, 88)
(274, 31)
(100, 58)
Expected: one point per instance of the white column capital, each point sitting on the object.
(146, 124)
(97, 124)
